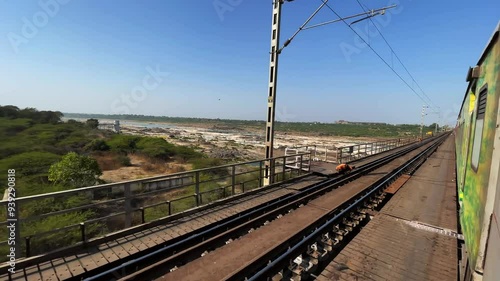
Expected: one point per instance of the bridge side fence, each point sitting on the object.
(344, 154)
(354, 152)
(61, 219)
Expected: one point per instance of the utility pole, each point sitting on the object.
(422, 121)
(439, 119)
(271, 99)
(273, 71)
(436, 130)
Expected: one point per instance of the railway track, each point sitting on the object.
(296, 259)
(191, 246)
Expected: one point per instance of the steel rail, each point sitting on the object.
(296, 248)
(185, 245)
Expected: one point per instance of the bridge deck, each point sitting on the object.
(223, 262)
(85, 260)
(77, 263)
(414, 236)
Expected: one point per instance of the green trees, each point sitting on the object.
(156, 148)
(9, 111)
(153, 147)
(97, 145)
(432, 127)
(75, 170)
(92, 123)
(44, 117)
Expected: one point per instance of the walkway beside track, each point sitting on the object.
(414, 236)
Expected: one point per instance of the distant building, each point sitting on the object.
(115, 127)
(369, 123)
(359, 123)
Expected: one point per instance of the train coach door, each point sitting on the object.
(467, 130)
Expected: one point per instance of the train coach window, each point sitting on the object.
(478, 132)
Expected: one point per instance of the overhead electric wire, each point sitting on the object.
(289, 40)
(393, 52)
(380, 57)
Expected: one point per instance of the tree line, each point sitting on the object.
(42, 117)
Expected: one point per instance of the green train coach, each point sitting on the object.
(477, 138)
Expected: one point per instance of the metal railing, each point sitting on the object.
(343, 154)
(318, 152)
(52, 221)
(296, 155)
(354, 152)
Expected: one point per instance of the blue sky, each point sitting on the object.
(186, 58)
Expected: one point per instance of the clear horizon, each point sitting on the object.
(262, 120)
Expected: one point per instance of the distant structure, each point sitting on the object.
(342, 122)
(115, 127)
(359, 123)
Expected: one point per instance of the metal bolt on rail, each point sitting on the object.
(314, 259)
(310, 259)
(345, 230)
(326, 242)
(358, 215)
(323, 250)
(325, 238)
(340, 233)
(306, 265)
(337, 240)
(363, 211)
(313, 253)
(371, 205)
(301, 264)
(354, 215)
(278, 276)
(335, 228)
(348, 224)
